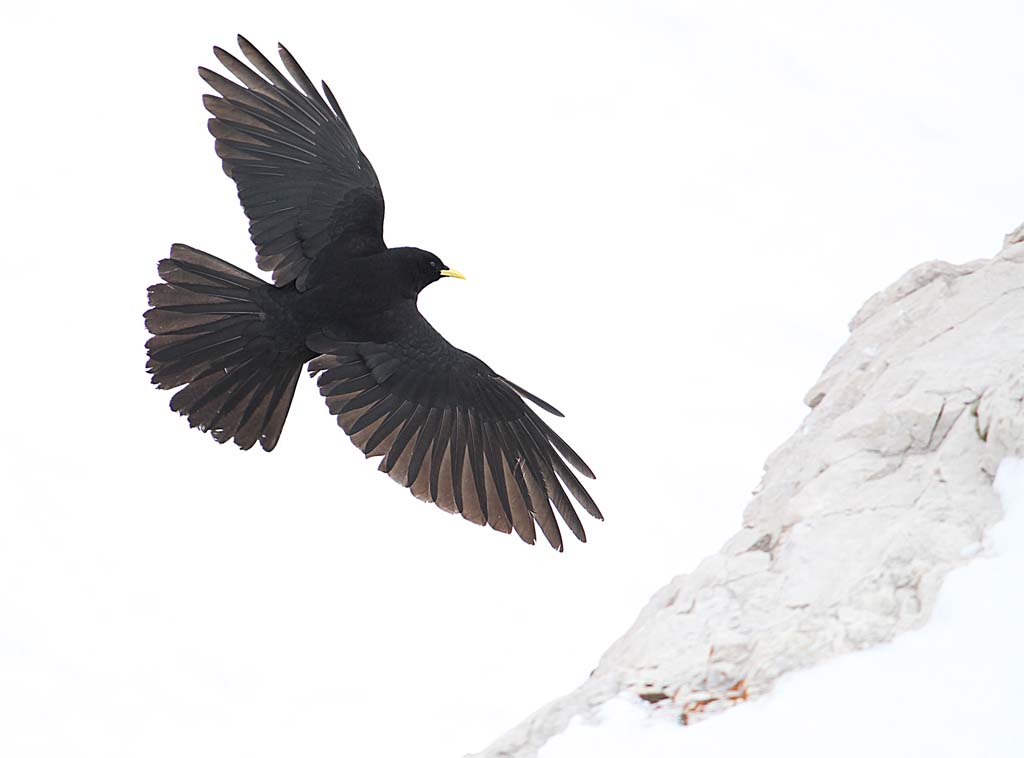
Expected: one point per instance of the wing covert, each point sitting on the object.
(309, 192)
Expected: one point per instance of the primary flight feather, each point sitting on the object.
(446, 426)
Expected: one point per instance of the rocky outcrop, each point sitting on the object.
(885, 487)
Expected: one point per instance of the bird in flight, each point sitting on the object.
(445, 424)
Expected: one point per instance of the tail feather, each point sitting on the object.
(212, 335)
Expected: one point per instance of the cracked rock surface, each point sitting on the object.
(884, 488)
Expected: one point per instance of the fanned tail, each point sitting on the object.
(212, 335)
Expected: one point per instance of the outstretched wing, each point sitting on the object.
(309, 192)
(454, 432)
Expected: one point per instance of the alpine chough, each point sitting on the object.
(447, 426)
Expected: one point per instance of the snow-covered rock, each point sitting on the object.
(884, 488)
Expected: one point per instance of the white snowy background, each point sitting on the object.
(667, 212)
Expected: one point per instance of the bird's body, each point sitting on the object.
(448, 427)
(368, 297)
(362, 302)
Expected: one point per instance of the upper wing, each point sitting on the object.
(454, 432)
(307, 188)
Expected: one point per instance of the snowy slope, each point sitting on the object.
(884, 488)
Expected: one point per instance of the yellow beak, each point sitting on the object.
(452, 272)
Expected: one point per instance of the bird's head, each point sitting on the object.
(420, 268)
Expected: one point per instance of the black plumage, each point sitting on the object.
(444, 424)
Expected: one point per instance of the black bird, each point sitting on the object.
(448, 427)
